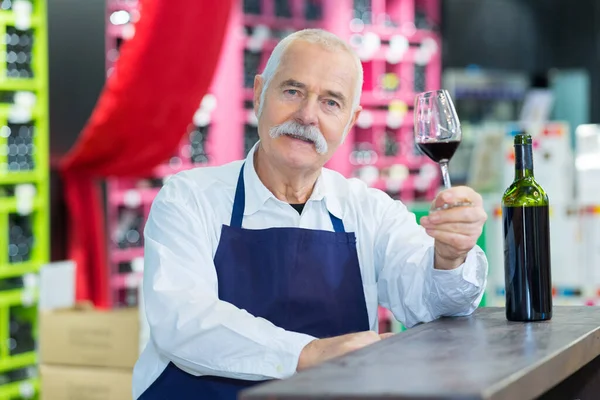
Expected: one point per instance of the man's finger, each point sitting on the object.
(459, 214)
(460, 243)
(468, 229)
(458, 194)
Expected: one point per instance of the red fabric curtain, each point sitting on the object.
(142, 114)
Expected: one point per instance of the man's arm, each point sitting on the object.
(408, 283)
(189, 324)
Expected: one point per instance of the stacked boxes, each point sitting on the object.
(88, 354)
(24, 176)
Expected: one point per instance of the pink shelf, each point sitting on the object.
(125, 255)
(127, 5)
(406, 188)
(115, 31)
(409, 57)
(248, 94)
(380, 116)
(146, 196)
(375, 98)
(280, 23)
(225, 134)
(268, 45)
(127, 281)
(410, 163)
(165, 170)
(385, 33)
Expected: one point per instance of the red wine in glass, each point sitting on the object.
(437, 128)
(439, 151)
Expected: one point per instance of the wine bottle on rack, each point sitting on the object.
(526, 226)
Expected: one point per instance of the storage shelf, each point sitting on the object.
(225, 140)
(129, 280)
(17, 390)
(5, 111)
(16, 84)
(124, 255)
(268, 45)
(18, 297)
(380, 118)
(8, 18)
(146, 196)
(408, 162)
(38, 224)
(128, 6)
(13, 178)
(9, 204)
(18, 269)
(16, 362)
(280, 23)
(117, 31)
(373, 98)
(386, 33)
(166, 170)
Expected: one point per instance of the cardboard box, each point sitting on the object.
(85, 383)
(87, 337)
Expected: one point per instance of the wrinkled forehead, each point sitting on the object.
(317, 64)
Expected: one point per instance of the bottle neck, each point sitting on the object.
(523, 161)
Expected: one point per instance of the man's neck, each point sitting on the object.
(289, 185)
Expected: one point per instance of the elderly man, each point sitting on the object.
(263, 267)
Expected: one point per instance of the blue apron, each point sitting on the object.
(301, 280)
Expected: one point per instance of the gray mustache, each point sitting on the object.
(308, 132)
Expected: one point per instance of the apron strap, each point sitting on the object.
(338, 225)
(239, 204)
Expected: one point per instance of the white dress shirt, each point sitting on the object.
(203, 335)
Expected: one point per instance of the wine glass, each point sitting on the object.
(437, 132)
(437, 128)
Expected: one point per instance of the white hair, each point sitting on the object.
(317, 36)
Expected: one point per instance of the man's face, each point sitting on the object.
(313, 87)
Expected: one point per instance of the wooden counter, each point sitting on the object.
(482, 356)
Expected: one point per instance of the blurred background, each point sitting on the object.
(507, 64)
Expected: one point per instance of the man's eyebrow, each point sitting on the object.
(336, 95)
(331, 93)
(293, 83)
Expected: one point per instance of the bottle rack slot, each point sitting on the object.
(405, 60)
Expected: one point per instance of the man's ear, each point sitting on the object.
(258, 87)
(355, 116)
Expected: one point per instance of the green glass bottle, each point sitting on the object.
(526, 226)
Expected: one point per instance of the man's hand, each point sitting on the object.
(455, 230)
(321, 350)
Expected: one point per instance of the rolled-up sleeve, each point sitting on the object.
(189, 325)
(409, 285)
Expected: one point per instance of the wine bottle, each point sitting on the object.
(526, 226)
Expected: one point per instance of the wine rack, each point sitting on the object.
(24, 192)
(129, 199)
(400, 47)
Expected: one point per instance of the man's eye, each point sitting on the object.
(332, 103)
(292, 92)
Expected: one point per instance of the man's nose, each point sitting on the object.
(307, 114)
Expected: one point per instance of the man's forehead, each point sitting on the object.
(301, 49)
(303, 61)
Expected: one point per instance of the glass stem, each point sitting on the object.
(445, 174)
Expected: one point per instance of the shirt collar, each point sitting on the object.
(257, 193)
